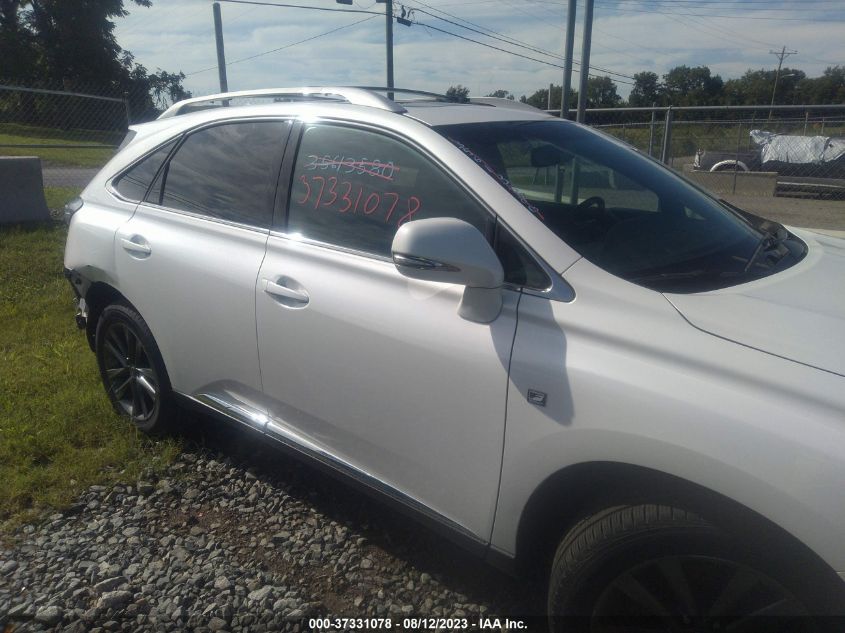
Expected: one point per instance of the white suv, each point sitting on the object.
(527, 334)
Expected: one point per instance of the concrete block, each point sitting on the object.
(22, 190)
(749, 183)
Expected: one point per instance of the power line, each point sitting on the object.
(509, 40)
(512, 41)
(534, 59)
(300, 6)
(281, 48)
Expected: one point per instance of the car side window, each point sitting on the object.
(134, 182)
(228, 171)
(354, 188)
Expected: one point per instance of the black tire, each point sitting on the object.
(649, 567)
(132, 370)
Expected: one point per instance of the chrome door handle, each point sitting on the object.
(283, 292)
(136, 247)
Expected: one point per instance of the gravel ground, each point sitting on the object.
(235, 536)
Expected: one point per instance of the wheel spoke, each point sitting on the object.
(147, 385)
(117, 343)
(638, 592)
(130, 346)
(739, 585)
(121, 389)
(142, 401)
(133, 385)
(784, 607)
(114, 374)
(116, 353)
(671, 569)
(139, 350)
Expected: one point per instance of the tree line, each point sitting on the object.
(694, 86)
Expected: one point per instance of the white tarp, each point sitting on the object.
(785, 148)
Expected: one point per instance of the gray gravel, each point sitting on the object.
(238, 540)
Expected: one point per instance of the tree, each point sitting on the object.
(70, 45)
(501, 94)
(829, 88)
(540, 98)
(458, 94)
(601, 93)
(692, 86)
(647, 90)
(755, 87)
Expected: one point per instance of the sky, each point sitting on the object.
(629, 36)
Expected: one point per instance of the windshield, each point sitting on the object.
(622, 211)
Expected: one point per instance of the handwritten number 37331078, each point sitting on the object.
(344, 197)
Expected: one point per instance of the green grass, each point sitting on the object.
(58, 432)
(16, 134)
(57, 197)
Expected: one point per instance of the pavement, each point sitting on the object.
(68, 176)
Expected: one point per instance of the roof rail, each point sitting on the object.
(431, 95)
(498, 102)
(355, 96)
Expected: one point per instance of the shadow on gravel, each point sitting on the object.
(394, 540)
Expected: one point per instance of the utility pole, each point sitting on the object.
(388, 13)
(569, 44)
(221, 54)
(585, 59)
(781, 55)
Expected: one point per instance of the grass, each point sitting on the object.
(57, 197)
(17, 134)
(58, 432)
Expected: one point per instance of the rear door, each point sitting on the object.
(363, 367)
(189, 257)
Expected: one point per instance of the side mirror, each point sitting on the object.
(452, 251)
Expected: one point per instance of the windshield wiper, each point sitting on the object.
(771, 239)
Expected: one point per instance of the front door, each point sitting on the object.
(374, 371)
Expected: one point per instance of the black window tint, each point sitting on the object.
(354, 188)
(228, 171)
(520, 267)
(133, 183)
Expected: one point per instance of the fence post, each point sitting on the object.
(751, 127)
(736, 158)
(128, 109)
(806, 119)
(822, 132)
(651, 129)
(667, 137)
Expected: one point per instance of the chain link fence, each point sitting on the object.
(73, 132)
(796, 150)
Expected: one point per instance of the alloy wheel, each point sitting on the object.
(129, 371)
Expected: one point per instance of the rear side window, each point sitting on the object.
(354, 188)
(134, 182)
(228, 172)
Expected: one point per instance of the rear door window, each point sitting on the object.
(134, 182)
(226, 172)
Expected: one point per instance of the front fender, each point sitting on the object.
(630, 381)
